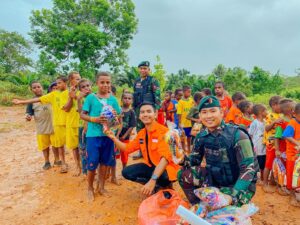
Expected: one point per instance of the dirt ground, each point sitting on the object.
(29, 195)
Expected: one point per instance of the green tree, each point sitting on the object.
(85, 34)
(46, 64)
(14, 52)
(219, 71)
(128, 77)
(236, 79)
(159, 73)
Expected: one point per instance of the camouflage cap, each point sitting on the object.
(208, 102)
(144, 63)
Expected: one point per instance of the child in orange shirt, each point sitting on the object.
(234, 113)
(246, 119)
(272, 121)
(225, 100)
(292, 136)
(287, 108)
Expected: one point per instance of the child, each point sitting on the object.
(72, 119)
(256, 131)
(183, 108)
(85, 89)
(272, 120)
(193, 115)
(292, 136)
(100, 148)
(59, 117)
(168, 107)
(207, 91)
(43, 119)
(128, 124)
(287, 107)
(234, 113)
(178, 96)
(52, 87)
(224, 99)
(246, 108)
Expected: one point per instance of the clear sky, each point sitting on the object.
(199, 34)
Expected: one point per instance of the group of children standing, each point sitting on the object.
(57, 116)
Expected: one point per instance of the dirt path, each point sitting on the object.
(29, 195)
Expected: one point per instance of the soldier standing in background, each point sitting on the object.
(145, 89)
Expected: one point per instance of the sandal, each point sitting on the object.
(64, 168)
(47, 166)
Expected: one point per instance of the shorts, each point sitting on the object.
(72, 139)
(261, 161)
(187, 131)
(124, 155)
(59, 139)
(44, 141)
(270, 156)
(100, 150)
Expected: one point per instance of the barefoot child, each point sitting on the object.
(85, 89)
(272, 121)
(128, 124)
(42, 114)
(59, 117)
(292, 137)
(100, 149)
(287, 107)
(183, 108)
(256, 131)
(72, 119)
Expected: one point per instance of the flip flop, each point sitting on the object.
(47, 166)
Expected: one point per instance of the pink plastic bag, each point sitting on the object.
(160, 208)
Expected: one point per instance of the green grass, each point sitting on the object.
(8, 91)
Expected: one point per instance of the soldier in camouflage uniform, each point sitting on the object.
(231, 164)
(145, 89)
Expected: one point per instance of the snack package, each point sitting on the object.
(296, 175)
(213, 197)
(232, 215)
(113, 121)
(173, 139)
(279, 172)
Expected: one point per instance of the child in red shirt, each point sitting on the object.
(225, 100)
(168, 107)
(292, 137)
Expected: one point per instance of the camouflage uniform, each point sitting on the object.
(145, 90)
(231, 164)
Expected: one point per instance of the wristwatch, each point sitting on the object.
(154, 177)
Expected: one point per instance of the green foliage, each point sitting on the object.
(128, 77)
(236, 79)
(293, 93)
(159, 73)
(14, 51)
(263, 82)
(86, 33)
(8, 91)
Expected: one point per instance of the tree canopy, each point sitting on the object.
(85, 34)
(14, 52)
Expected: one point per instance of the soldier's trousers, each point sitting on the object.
(191, 178)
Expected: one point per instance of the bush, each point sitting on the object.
(8, 91)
